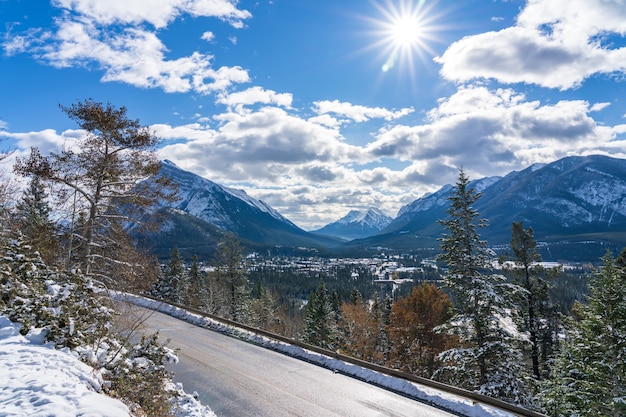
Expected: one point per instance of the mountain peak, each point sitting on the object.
(357, 224)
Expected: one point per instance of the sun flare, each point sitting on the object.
(405, 31)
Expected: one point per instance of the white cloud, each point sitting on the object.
(113, 12)
(111, 36)
(492, 132)
(599, 106)
(554, 43)
(268, 144)
(358, 113)
(47, 140)
(208, 36)
(255, 95)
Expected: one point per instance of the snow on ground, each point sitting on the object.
(432, 396)
(37, 380)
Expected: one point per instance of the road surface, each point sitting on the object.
(238, 379)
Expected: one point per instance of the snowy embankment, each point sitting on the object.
(437, 398)
(39, 380)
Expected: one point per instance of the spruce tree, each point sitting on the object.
(589, 376)
(319, 319)
(231, 275)
(535, 310)
(172, 286)
(196, 289)
(487, 359)
(32, 214)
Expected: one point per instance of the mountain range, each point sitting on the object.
(576, 207)
(204, 211)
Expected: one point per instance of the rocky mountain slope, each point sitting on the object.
(205, 210)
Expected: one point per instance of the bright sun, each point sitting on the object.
(405, 31)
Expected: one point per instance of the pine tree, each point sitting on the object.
(102, 178)
(172, 285)
(32, 214)
(487, 359)
(535, 311)
(319, 319)
(176, 277)
(589, 376)
(231, 276)
(196, 289)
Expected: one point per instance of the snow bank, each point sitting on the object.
(39, 380)
(434, 397)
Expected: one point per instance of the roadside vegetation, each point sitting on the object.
(64, 245)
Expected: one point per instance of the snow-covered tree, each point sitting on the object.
(487, 359)
(589, 375)
(32, 215)
(173, 283)
(73, 314)
(535, 312)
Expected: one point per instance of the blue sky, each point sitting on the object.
(320, 107)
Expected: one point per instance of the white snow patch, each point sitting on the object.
(38, 380)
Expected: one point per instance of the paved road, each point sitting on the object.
(239, 379)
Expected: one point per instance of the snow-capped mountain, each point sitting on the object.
(574, 199)
(357, 224)
(215, 203)
(205, 210)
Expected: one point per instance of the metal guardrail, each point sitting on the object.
(479, 398)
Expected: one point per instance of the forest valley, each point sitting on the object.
(545, 339)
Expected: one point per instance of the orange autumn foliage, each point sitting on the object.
(415, 344)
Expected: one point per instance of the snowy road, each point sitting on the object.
(236, 378)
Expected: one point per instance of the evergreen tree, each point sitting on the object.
(70, 309)
(263, 310)
(488, 359)
(196, 289)
(102, 176)
(231, 275)
(32, 214)
(173, 283)
(319, 318)
(589, 376)
(535, 311)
